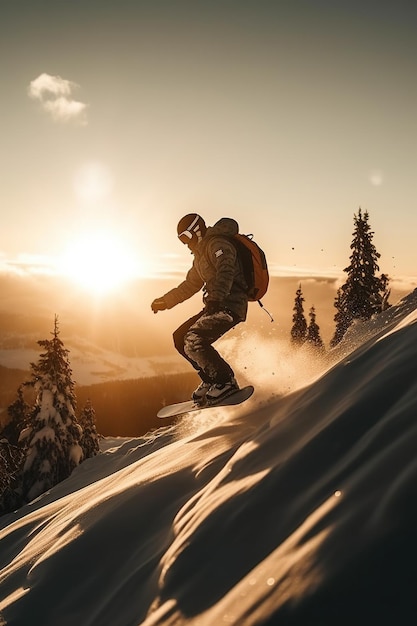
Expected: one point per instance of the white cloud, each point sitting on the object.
(65, 110)
(54, 85)
(56, 96)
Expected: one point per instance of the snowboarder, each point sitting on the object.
(217, 270)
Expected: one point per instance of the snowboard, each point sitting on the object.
(189, 406)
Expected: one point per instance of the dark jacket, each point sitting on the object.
(217, 270)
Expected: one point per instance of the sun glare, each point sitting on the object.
(99, 262)
(92, 182)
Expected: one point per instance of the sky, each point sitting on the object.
(297, 507)
(119, 117)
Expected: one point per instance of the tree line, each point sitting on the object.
(128, 408)
(363, 294)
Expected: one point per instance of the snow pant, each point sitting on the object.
(194, 339)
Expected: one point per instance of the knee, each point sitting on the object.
(192, 344)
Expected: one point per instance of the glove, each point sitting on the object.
(158, 304)
(213, 306)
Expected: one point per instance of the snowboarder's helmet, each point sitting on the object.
(191, 229)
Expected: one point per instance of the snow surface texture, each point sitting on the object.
(295, 508)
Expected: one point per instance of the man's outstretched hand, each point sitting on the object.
(158, 304)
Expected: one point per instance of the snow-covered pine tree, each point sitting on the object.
(53, 434)
(299, 327)
(313, 331)
(364, 293)
(90, 442)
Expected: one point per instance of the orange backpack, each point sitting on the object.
(254, 266)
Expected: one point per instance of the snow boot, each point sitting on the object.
(199, 394)
(221, 390)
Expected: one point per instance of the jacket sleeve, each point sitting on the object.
(222, 254)
(190, 286)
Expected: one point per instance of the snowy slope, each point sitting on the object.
(294, 509)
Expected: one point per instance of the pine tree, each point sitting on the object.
(364, 293)
(342, 319)
(12, 454)
(11, 460)
(313, 331)
(299, 327)
(90, 439)
(18, 412)
(53, 434)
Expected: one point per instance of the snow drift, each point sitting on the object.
(290, 509)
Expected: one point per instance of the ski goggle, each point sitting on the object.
(185, 236)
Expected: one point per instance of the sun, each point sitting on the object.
(99, 262)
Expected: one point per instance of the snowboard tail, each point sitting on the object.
(189, 406)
